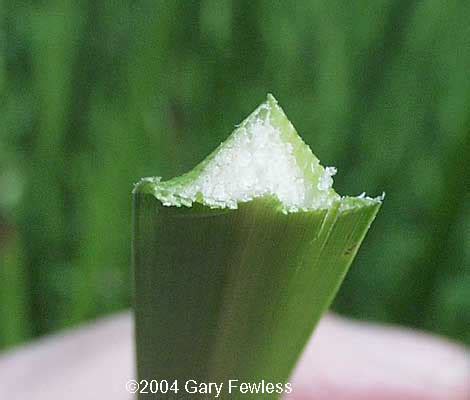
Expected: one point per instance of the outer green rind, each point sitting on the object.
(236, 294)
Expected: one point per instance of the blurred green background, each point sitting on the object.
(95, 95)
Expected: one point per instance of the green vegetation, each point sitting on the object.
(242, 255)
(95, 96)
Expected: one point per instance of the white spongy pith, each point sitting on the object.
(256, 162)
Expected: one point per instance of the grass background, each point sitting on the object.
(94, 95)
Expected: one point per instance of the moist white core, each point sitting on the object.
(256, 162)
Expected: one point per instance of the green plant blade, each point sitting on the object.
(226, 293)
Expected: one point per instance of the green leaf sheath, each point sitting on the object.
(235, 294)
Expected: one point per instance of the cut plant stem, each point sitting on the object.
(236, 261)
